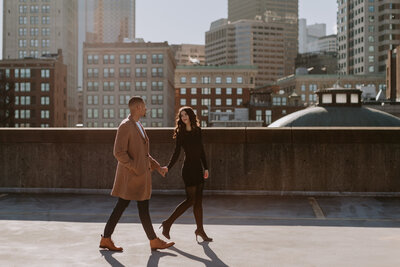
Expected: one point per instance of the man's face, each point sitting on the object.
(142, 109)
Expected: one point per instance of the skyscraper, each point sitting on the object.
(309, 34)
(33, 28)
(248, 42)
(367, 30)
(283, 12)
(109, 21)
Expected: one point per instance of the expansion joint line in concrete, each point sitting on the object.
(316, 208)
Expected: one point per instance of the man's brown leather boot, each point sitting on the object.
(106, 242)
(158, 243)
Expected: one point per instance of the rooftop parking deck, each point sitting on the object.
(64, 230)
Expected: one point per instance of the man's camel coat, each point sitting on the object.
(133, 175)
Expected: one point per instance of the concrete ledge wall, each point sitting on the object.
(281, 159)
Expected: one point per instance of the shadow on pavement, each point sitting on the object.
(155, 257)
(213, 260)
(108, 256)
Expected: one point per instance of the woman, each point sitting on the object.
(188, 135)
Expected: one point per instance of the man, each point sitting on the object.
(133, 176)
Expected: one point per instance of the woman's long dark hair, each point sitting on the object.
(180, 126)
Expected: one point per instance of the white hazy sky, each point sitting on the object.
(186, 21)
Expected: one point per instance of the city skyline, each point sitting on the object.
(177, 12)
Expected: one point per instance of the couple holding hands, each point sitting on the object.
(133, 174)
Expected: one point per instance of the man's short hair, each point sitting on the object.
(135, 100)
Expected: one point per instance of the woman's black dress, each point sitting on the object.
(192, 170)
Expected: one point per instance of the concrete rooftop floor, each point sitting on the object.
(64, 230)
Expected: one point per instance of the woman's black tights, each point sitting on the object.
(144, 215)
(194, 197)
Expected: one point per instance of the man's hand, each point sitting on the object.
(163, 171)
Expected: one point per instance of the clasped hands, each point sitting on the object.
(164, 170)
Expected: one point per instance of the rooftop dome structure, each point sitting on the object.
(338, 107)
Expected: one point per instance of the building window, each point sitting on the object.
(22, 43)
(258, 115)
(205, 79)
(124, 99)
(371, 69)
(157, 99)
(157, 113)
(23, 9)
(141, 86)
(45, 100)
(183, 79)
(371, 59)
(183, 102)
(108, 100)
(239, 101)
(92, 100)
(206, 101)
(141, 72)
(205, 91)
(45, 43)
(193, 101)
(34, 9)
(45, 31)
(217, 91)
(124, 112)
(228, 80)
(157, 59)
(183, 91)
(228, 91)
(108, 59)
(218, 80)
(44, 114)
(45, 9)
(193, 91)
(276, 101)
(229, 101)
(34, 20)
(239, 91)
(108, 72)
(303, 87)
(22, 32)
(34, 31)
(23, 20)
(124, 72)
(141, 59)
(193, 80)
(218, 101)
(268, 116)
(124, 59)
(157, 86)
(156, 72)
(239, 79)
(124, 86)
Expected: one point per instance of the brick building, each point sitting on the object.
(33, 92)
(213, 88)
(270, 103)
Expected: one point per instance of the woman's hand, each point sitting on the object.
(206, 174)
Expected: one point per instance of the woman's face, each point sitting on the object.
(185, 117)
